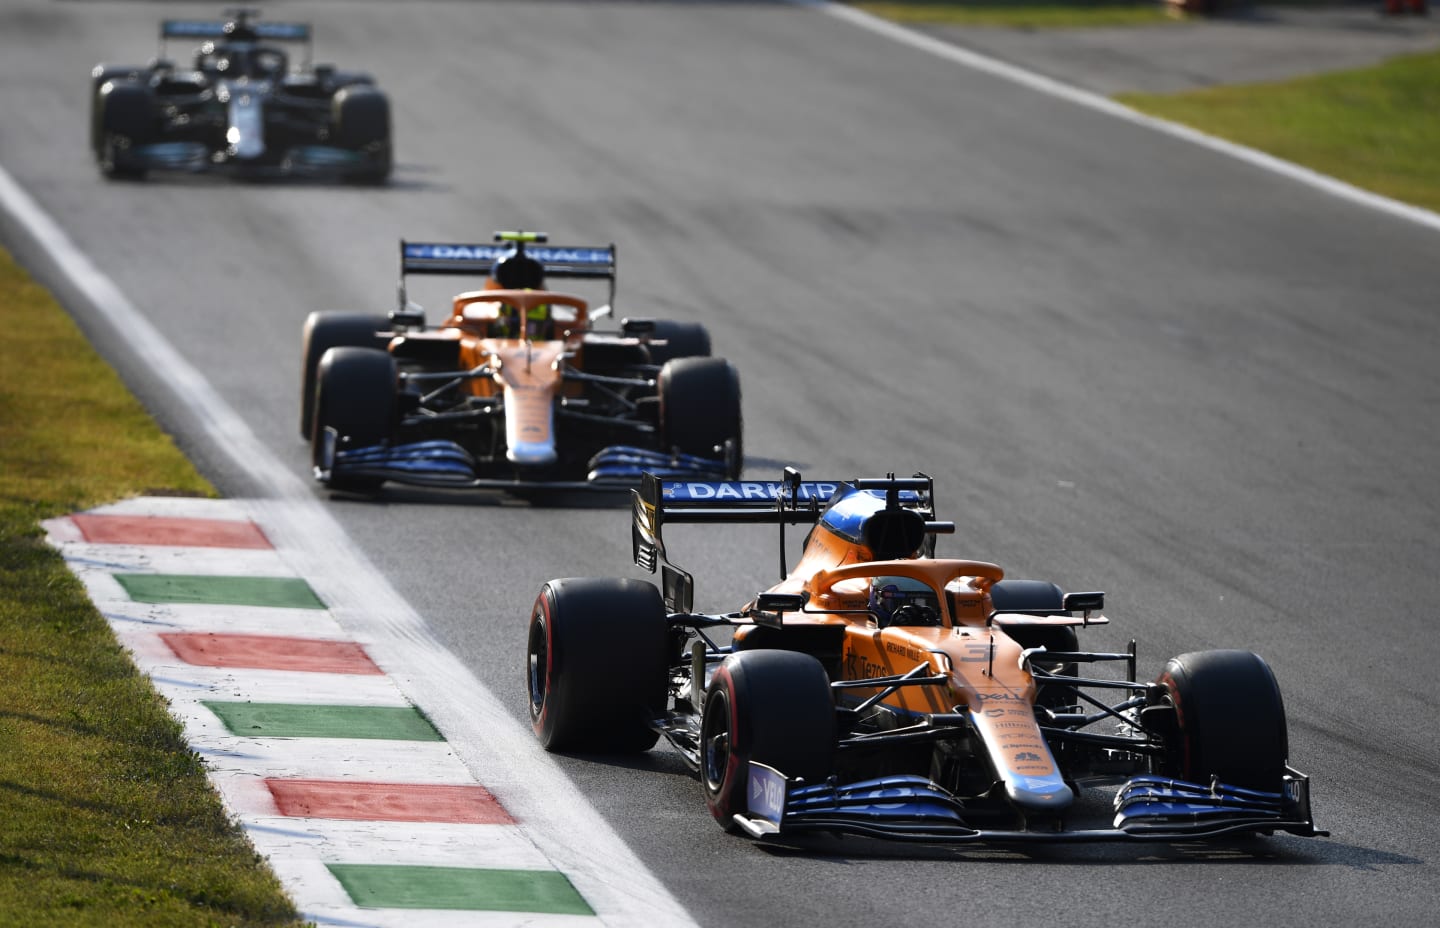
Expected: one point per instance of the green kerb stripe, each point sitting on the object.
(286, 592)
(380, 886)
(299, 720)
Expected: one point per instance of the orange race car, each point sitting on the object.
(516, 388)
(882, 691)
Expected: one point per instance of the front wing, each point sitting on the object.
(298, 161)
(912, 808)
(445, 464)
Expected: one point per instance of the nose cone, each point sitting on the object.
(531, 377)
(531, 453)
(246, 134)
(1039, 794)
(529, 426)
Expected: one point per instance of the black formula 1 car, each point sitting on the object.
(516, 389)
(240, 107)
(881, 691)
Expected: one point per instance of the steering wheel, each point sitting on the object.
(915, 614)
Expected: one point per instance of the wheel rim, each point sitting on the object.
(539, 663)
(715, 737)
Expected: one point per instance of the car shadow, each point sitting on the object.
(1252, 851)
(407, 178)
(534, 498)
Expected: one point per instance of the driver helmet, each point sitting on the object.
(518, 271)
(889, 595)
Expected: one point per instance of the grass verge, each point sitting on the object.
(108, 819)
(1022, 14)
(1374, 127)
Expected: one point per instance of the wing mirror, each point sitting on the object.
(409, 316)
(1084, 602)
(770, 608)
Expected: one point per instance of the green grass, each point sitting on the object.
(1376, 128)
(106, 817)
(1023, 14)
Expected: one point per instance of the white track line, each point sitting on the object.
(1093, 101)
(501, 754)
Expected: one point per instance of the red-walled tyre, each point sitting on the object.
(598, 664)
(1230, 720)
(772, 707)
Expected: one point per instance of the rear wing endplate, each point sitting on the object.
(790, 501)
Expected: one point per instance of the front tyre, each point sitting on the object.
(770, 707)
(1229, 720)
(355, 395)
(124, 121)
(361, 123)
(597, 664)
(326, 330)
(700, 409)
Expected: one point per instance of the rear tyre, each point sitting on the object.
(770, 707)
(355, 396)
(1040, 597)
(1229, 720)
(1051, 638)
(361, 117)
(1032, 597)
(322, 332)
(682, 340)
(124, 121)
(598, 665)
(700, 409)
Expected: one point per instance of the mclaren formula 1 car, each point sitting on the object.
(516, 388)
(240, 106)
(882, 691)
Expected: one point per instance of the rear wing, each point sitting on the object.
(236, 29)
(240, 29)
(788, 501)
(591, 262)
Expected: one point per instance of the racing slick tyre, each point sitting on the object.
(598, 664)
(700, 409)
(355, 396)
(322, 332)
(361, 118)
(768, 706)
(1051, 638)
(124, 120)
(1229, 720)
(1040, 597)
(682, 340)
(101, 75)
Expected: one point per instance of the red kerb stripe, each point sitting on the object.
(270, 652)
(164, 530)
(394, 802)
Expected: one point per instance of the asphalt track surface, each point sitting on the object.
(1130, 363)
